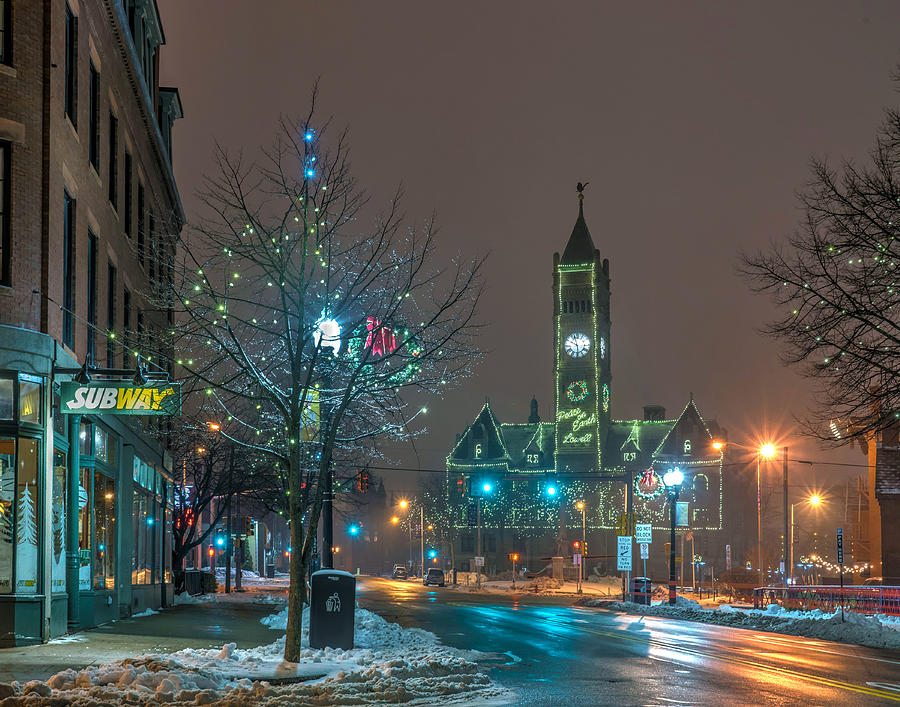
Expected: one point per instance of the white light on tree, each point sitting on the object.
(328, 333)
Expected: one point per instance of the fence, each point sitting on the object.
(861, 599)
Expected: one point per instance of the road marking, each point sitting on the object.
(830, 682)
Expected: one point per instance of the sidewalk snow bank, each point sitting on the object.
(390, 664)
(872, 631)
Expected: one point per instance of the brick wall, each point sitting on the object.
(49, 134)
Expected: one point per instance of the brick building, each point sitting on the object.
(89, 218)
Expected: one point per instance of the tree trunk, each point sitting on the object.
(297, 591)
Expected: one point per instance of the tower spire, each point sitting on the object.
(580, 248)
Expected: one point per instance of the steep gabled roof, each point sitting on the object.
(580, 248)
(689, 417)
(484, 430)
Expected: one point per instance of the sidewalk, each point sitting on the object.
(233, 618)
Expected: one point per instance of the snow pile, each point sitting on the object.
(145, 612)
(873, 631)
(390, 664)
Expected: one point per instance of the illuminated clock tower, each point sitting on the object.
(581, 326)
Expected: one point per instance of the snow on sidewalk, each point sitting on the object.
(873, 631)
(390, 664)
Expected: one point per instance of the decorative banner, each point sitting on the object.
(120, 398)
(681, 513)
(649, 484)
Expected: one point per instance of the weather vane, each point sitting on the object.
(580, 189)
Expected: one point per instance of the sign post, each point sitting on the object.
(623, 557)
(645, 553)
(840, 559)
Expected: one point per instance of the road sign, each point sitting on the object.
(479, 562)
(576, 559)
(840, 546)
(643, 532)
(624, 553)
(728, 557)
(645, 550)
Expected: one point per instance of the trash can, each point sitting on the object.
(270, 571)
(332, 606)
(643, 588)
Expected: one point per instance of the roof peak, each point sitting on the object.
(580, 248)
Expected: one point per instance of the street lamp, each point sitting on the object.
(766, 451)
(580, 506)
(486, 488)
(673, 479)
(813, 500)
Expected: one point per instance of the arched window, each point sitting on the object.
(701, 483)
(565, 307)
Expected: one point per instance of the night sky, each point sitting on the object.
(693, 122)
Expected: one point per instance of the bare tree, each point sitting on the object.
(836, 283)
(313, 334)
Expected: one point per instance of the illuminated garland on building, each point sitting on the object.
(577, 391)
(605, 397)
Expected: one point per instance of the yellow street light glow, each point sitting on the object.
(815, 500)
(767, 450)
(717, 445)
(404, 503)
(580, 505)
(395, 520)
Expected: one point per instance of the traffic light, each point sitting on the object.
(462, 487)
(362, 481)
(220, 538)
(353, 529)
(551, 489)
(576, 545)
(248, 526)
(513, 556)
(432, 553)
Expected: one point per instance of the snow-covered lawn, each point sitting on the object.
(390, 664)
(874, 631)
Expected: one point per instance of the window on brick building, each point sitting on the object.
(5, 229)
(128, 189)
(94, 118)
(68, 269)
(113, 160)
(71, 75)
(5, 32)
(127, 343)
(140, 224)
(92, 296)
(111, 277)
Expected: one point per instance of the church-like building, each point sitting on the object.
(530, 475)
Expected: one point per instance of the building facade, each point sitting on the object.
(537, 471)
(89, 219)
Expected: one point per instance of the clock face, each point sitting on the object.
(577, 345)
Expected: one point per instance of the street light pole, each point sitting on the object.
(478, 544)
(672, 479)
(422, 535)
(759, 521)
(785, 503)
(583, 552)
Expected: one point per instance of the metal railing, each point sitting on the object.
(861, 599)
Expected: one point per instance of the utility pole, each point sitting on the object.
(239, 550)
(328, 521)
(229, 545)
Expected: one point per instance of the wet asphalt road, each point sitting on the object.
(554, 654)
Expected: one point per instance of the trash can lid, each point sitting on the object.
(340, 573)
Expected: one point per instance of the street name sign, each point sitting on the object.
(624, 553)
(728, 557)
(645, 551)
(840, 546)
(479, 562)
(120, 398)
(643, 532)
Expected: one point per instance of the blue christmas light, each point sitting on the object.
(309, 136)
(310, 173)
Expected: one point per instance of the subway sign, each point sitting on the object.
(115, 398)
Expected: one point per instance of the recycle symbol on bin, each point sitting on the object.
(333, 603)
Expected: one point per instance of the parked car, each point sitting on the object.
(434, 576)
(399, 572)
(874, 582)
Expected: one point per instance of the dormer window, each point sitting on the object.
(687, 447)
(478, 451)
